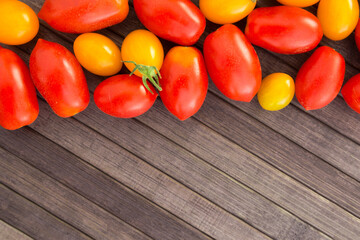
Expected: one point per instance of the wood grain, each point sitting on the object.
(31, 219)
(232, 170)
(63, 202)
(8, 232)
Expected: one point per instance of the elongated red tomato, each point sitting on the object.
(59, 78)
(320, 78)
(184, 81)
(357, 35)
(232, 63)
(179, 21)
(284, 29)
(351, 93)
(124, 96)
(81, 16)
(18, 102)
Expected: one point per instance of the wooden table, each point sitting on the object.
(233, 171)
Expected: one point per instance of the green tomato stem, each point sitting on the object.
(150, 73)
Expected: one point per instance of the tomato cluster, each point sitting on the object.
(181, 77)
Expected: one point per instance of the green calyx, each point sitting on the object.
(150, 73)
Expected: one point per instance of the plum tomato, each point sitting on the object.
(351, 93)
(18, 101)
(298, 3)
(82, 16)
(229, 11)
(184, 81)
(338, 18)
(320, 78)
(18, 22)
(142, 47)
(283, 29)
(276, 91)
(59, 78)
(179, 21)
(232, 63)
(98, 54)
(124, 96)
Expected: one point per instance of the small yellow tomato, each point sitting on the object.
(276, 91)
(18, 22)
(229, 11)
(98, 54)
(338, 18)
(142, 47)
(298, 3)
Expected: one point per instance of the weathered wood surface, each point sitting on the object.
(233, 171)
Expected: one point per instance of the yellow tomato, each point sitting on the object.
(298, 3)
(338, 18)
(142, 47)
(276, 91)
(18, 22)
(229, 11)
(98, 54)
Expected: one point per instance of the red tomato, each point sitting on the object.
(18, 102)
(179, 21)
(232, 63)
(351, 93)
(283, 29)
(59, 78)
(82, 16)
(184, 81)
(124, 96)
(320, 78)
(357, 35)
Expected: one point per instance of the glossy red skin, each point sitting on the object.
(320, 78)
(357, 35)
(184, 81)
(351, 93)
(124, 96)
(283, 29)
(18, 102)
(232, 63)
(81, 16)
(179, 21)
(59, 78)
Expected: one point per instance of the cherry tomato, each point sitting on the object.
(98, 54)
(232, 63)
(276, 91)
(18, 22)
(351, 93)
(142, 47)
(357, 35)
(184, 81)
(83, 16)
(229, 11)
(338, 18)
(18, 102)
(124, 96)
(179, 21)
(59, 78)
(283, 29)
(320, 78)
(298, 3)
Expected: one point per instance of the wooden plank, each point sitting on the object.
(61, 201)
(130, 170)
(31, 219)
(225, 192)
(90, 83)
(94, 185)
(8, 232)
(250, 170)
